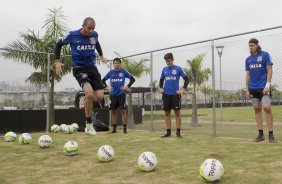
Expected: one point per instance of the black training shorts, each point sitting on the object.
(171, 102)
(88, 74)
(118, 102)
(258, 93)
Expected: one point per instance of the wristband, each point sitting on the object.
(267, 85)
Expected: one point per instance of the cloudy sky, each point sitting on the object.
(133, 26)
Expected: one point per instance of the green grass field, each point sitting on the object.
(238, 122)
(178, 159)
(243, 114)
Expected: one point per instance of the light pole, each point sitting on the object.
(219, 51)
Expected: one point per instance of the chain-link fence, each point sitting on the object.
(222, 107)
(233, 115)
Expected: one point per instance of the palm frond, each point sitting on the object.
(37, 78)
(25, 49)
(136, 68)
(55, 24)
(197, 75)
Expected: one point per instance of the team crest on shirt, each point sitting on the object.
(120, 74)
(259, 59)
(92, 40)
(173, 72)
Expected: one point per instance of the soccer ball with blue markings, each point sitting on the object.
(68, 129)
(62, 127)
(25, 138)
(71, 148)
(10, 137)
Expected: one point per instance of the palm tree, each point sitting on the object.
(197, 76)
(274, 88)
(231, 97)
(206, 90)
(137, 69)
(32, 49)
(241, 93)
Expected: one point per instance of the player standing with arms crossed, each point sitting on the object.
(169, 87)
(83, 43)
(258, 68)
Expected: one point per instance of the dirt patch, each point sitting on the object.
(215, 155)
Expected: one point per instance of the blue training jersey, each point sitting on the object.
(82, 48)
(257, 66)
(171, 77)
(117, 80)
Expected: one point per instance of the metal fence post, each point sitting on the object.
(152, 98)
(213, 89)
(48, 93)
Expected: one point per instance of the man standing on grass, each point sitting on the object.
(169, 87)
(258, 68)
(117, 92)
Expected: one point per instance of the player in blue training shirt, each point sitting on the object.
(83, 43)
(258, 68)
(169, 86)
(117, 90)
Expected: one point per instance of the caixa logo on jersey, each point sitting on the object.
(255, 66)
(170, 78)
(92, 40)
(85, 47)
(259, 59)
(116, 80)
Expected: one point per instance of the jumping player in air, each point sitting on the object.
(83, 43)
(117, 90)
(258, 68)
(169, 86)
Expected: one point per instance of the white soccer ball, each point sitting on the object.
(68, 129)
(147, 161)
(55, 128)
(71, 148)
(10, 137)
(211, 170)
(44, 141)
(25, 138)
(75, 126)
(62, 127)
(105, 153)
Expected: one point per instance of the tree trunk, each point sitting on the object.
(154, 104)
(130, 118)
(205, 100)
(194, 120)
